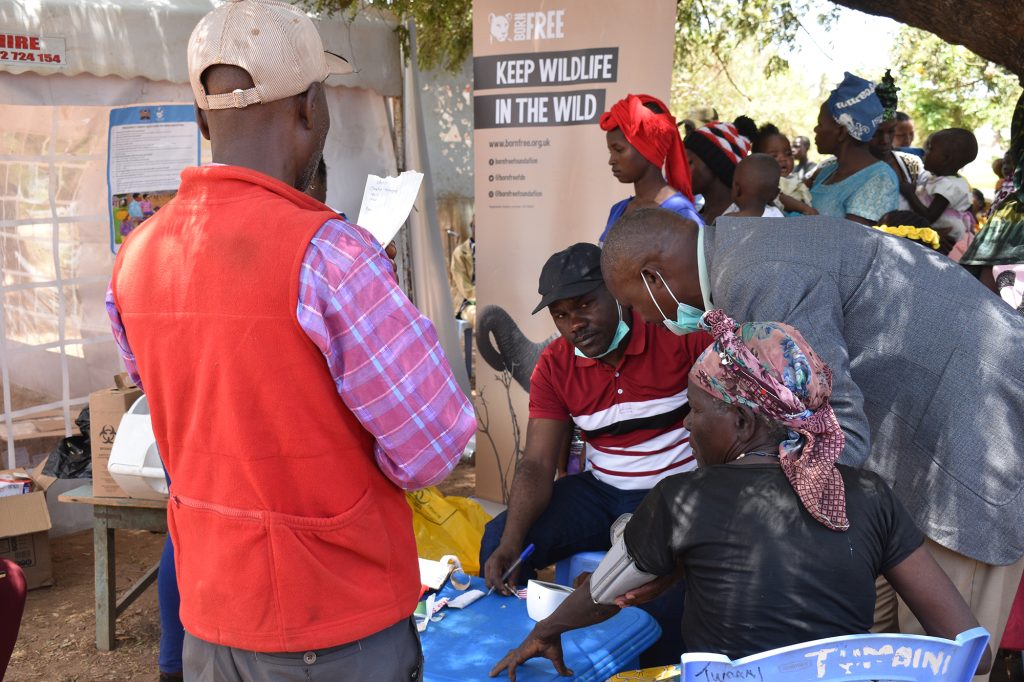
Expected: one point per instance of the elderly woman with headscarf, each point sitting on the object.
(714, 150)
(778, 543)
(906, 166)
(855, 184)
(643, 139)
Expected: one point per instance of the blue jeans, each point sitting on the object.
(578, 519)
(172, 634)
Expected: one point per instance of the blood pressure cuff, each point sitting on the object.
(616, 574)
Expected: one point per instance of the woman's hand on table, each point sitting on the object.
(578, 610)
(533, 647)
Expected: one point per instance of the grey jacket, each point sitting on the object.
(928, 364)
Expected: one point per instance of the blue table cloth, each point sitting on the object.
(466, 644)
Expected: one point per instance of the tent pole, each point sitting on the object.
(395, 109)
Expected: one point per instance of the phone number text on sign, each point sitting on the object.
(21, 49)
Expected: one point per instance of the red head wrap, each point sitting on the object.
(655, 136)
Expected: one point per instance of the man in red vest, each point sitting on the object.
(295, 391)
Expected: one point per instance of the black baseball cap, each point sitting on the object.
(570, 273)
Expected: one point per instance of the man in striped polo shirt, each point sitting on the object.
(623, 383)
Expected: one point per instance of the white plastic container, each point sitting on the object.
(134, 460)
(543, 598)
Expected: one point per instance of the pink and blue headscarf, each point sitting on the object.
(855, 106)
(771, 369)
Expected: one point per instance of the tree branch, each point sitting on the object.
(725, 69)
(993, 29)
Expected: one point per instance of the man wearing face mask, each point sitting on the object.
(865, 300)
(295, 391)
(623, 383)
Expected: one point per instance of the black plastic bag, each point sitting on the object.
(72, 458)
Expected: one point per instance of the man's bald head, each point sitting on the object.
(650, 256)
(638, 235)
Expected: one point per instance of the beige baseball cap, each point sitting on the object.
(276, 43)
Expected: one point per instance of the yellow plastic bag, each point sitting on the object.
(448, 525)
(666, 673)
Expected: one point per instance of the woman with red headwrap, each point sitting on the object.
(778, 543)
(642, 140)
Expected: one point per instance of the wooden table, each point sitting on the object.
(110, 513)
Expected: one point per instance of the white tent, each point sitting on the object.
(55, 259)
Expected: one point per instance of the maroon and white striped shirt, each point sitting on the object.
(631, 415)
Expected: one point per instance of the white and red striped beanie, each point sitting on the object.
(720, 146)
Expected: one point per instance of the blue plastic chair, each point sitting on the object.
(566, 570)
(915, 658)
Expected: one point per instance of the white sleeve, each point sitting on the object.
(955, 190)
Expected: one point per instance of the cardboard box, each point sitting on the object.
(106, 407)
(24, 526)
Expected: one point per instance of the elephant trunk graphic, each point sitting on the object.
(504, 347)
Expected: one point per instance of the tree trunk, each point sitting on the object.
(993, 29)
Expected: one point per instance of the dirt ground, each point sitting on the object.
(57, 642)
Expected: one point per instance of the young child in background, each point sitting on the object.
(978, 205)
(755, 186)
(794, 197)
(941, 196)
(997, 168)
(1005, 168)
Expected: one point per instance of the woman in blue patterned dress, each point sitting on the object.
(855, 184)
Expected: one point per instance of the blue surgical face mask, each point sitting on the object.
(687, 317)
(620, 333)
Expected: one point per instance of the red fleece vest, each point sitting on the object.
(287, 536)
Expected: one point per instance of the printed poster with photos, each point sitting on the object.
(147, 148)
(543, 73)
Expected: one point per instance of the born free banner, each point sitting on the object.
(543, 74)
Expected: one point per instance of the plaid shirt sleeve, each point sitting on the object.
(122, 339)
(383, 355)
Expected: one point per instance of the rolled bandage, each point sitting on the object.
(458, 578)
(616, 574)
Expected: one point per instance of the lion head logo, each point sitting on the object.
(499, 26)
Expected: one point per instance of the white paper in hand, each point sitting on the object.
(387, 203)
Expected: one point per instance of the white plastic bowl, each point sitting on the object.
(134, 460)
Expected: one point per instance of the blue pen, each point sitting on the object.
(522, 557)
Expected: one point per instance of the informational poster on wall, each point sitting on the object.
(543, 74)
(148, 147)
